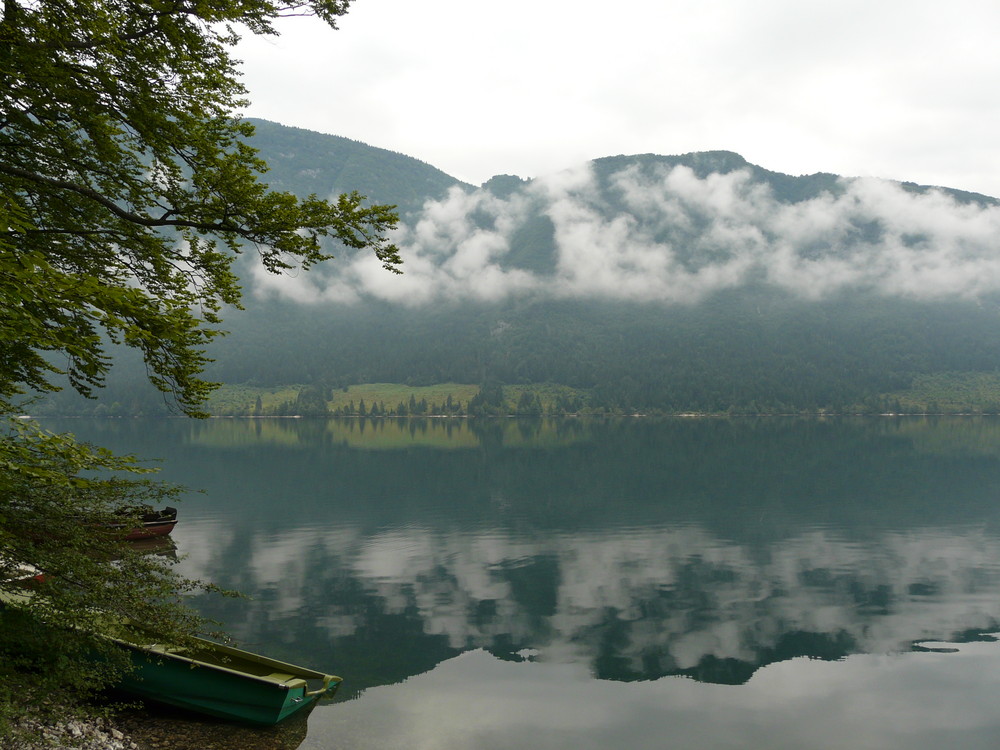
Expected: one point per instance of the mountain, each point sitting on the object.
(697, 282)
(303, 162)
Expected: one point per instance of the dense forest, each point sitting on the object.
(755, 346)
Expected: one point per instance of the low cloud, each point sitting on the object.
(666, 234)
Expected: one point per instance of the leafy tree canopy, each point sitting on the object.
(126, 186)
(126, 189)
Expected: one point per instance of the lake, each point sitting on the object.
(685, 583)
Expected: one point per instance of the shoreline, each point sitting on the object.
(73, 734)
(158, 728)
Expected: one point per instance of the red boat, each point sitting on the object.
(154, 523)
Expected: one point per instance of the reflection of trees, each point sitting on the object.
(633, 605)
(702, 547)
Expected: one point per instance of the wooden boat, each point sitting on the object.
(216, 680)
(224, 682)
(152, 522)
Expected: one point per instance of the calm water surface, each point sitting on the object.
(773, 583)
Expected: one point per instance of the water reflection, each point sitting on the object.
(630, 605)
(393, 433)
(158, 546)
(916, 701)
(635, 550)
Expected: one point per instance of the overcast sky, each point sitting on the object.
(904, 89)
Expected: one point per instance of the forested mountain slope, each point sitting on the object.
(303, 162)
(647, 283)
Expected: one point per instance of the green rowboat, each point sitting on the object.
(213, 679)
(224, 682)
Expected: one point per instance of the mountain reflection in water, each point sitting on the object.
(631, 605)
(640, 549)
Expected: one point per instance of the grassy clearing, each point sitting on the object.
(241, 400)
(232, 400)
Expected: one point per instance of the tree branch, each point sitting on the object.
(121, 213)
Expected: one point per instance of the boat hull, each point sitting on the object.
(240, 686)
(153, 523)
(213, 679)
(151, 529)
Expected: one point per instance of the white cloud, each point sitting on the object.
(677, 238)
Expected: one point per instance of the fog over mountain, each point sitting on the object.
(674, 230)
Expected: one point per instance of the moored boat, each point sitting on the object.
(225, 682)
(152, 522)
(214, 679)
